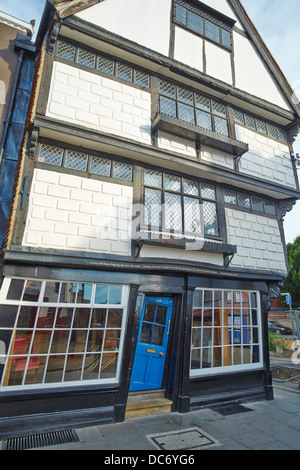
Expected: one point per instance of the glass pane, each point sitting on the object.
(8, 314)
(146, 333)
(158, 335)
(95, 340)
(261, 126)
(197, 317)
(114, 319)
(207, 357)
(196, 337)
(115, 294)
(16, 367)
(100, 166)
(219, 109)
(202, 103)
(86, 58)
(15, 289)
(98, 318)
(149, 314)
(168, 107)
(105, 65)
(101, 294)
(55, 368)
(112, 340)
(66, 51)
(244, 200)
(122, 171)
(64, 317)
(153, 178)
(226, 37)
(32, 291)
(181, 14)
(207, 317)
(172, 183)
(221, 126)
(185, 96)
(68, 292)
(190, 187)
(51, 292)
(230, 197)
(35, 369)
(212, 31)
(76, 160)
(46, 317)
(77, 341)
(60, 341)
(208, 298)
(186, 113)
(84, 293)
(208, 191)
(210, 218)
(124, 72)
(161, 315)
(41, 342)
(27, 317)
(91, 366)
(142, 79)
(250, 121)
(109, 366)
(21, 342)
(173, 212)
(81, 318)
(51, 155)
(73, 367)
(192, 215)
(195, 22)
(203, 120)
(153, 207)
(195, 359)
(198, 298)
(167, 89)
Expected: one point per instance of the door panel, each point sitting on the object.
(149, 361)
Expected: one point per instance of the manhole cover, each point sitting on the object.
(185, 439)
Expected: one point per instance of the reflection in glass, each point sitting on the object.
(55, 368)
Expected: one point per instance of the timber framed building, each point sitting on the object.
(145, 241)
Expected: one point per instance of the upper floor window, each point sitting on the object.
(201, 22)
(260, 125)
(179, 205)
(193, 108)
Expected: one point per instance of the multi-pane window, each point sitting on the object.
(246, 201)
(193, 108)
(104, 64)
(179, 205)
(79, 161)
(203, 23)
(260, 125)
(225, 331)
(54, 332)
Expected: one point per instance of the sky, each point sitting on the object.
(278, 24)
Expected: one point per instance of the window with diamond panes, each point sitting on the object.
(179, 205)
(95, 165)
(60, 332)
(107, 65)
(201, 22)
(193, 108)
(260, 125)
(254, 203)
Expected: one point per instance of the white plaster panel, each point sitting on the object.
(84, 98)
(160, 252)
(188, 48)
(75, 213)
(258, 241)
(144, 22)
(218, 62)
(176, 144)
(217, 157)
(266, 158)
(252, 75)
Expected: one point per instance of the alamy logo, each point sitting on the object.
(2, 352)
(2, 92)
(296, 354)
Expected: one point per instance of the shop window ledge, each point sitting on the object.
(199, 135)
(184, 244)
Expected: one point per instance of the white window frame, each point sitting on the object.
(233, 368)
(3, 301)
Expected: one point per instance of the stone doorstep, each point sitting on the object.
(147, 403)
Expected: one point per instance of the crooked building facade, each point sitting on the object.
(145, 241)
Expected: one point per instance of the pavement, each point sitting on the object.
(260, 425)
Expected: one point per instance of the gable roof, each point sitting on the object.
(66, 8)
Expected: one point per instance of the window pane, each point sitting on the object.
(173, 212)
(8, 314)
(185, 96)
(149, 314)
(46, 317)
(203, 103)
(192, 215)
(208, 191)
(221, 126)
(230, 197)
(212, 31)
(114, 319)
(55, 369)
(98, 319)
(51, 155)
(84, 293)
(91, 366)
(243, 200)
(32, 291)
(66, 51)
(161, 315)
(181, 14)
(124, 72)
(105, 65)
(73, 367)
(195, 22)
(64, 317)
(153, 207)
(122, 171)
(100, 166)
(168, 107)
(190, 187)
(101, 294)
(68, 292)
(203, 120)
(172, 183)
(167, 89)
(226, 37)
(76, 160)
(153, 178)
(158, 335)
(86, 58)
(108, 366)
(210, 218)
(15, 289)
(186, 113)
(115, 294)
(146, 333)
(27, 316)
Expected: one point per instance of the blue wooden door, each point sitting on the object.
(150, 355)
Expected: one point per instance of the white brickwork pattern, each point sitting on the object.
(258, 241)
(267, 158)
(97, 102)
(76, 213)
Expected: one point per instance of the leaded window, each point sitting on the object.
(193, 108)
(226, 333)
(246, 201)
(179, 205)
(260, 125)
(202, 22)
(58, 332)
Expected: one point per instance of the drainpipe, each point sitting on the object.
(10, 108)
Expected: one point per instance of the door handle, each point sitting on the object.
(161, 354)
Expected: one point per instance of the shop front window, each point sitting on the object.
(226, 331)
(60, 332)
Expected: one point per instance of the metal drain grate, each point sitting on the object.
(185, 439)
(40, 440)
